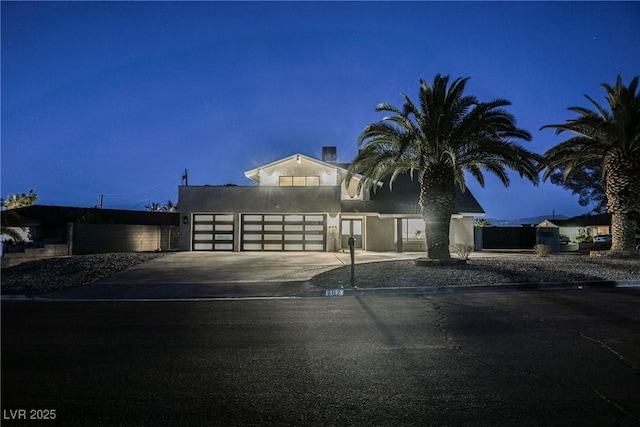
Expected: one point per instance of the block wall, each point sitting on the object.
(32, 254)
(100, 238)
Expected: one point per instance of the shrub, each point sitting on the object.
(463, 251)
(541, 250)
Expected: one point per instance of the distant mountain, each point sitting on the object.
(517, 222)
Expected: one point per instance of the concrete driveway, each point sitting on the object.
(241, 267)
(193, 275)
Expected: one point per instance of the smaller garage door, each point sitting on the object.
(212, 232)
(288, 232)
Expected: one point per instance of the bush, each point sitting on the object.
(541, 250)
(463, 251)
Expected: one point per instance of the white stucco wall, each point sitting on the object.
(461, 231)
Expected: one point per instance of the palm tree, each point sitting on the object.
(20, 200)
(444, 135)
(611, 137)
(169, 207)
(153, 207)
(9, 219)
(482, 222)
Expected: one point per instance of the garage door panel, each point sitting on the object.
(203, 227)
(202, 236)
(314, 247)
(202, 247)
(285, 232)
(293, 247)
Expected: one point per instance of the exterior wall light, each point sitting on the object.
(185, 220)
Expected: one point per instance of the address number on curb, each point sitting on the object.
(334, 292)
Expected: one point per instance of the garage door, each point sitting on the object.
(212, 232)
(288, 232)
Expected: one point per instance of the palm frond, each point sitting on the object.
(449, 129)
(599, 133)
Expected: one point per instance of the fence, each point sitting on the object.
(505, 237)
(515, 237)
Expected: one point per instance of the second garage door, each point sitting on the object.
(286, 232)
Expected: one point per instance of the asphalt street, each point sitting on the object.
(483, 358)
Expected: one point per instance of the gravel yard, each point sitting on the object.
(485, 271)
(53, 274)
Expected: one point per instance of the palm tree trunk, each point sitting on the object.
(623, 199)
(623, 232)
(437, 201)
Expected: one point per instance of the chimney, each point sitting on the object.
(329, 155)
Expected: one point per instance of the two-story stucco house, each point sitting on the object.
(302, 204)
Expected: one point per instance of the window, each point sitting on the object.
(299, 181)
(286, 181)
(412, 229)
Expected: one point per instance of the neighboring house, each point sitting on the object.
(302, 204)
(590, 225)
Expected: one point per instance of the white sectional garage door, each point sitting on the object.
(283, 232)
(212, 232)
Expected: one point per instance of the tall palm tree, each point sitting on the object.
(611, 137)
(441, 137)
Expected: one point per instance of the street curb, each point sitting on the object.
(356, 291)
(528, 286)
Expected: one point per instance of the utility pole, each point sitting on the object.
(185, 178)
(101, 200)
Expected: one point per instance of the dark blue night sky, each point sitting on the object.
(118, 98)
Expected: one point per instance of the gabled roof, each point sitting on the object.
(252, 174)
(403, 199)
(41, 215)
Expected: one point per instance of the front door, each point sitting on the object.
(352, 227)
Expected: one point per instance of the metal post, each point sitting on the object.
(352, 244)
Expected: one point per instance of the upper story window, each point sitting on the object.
(299, 181)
